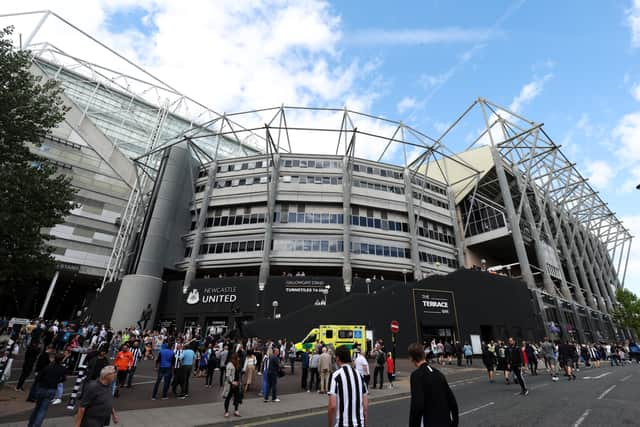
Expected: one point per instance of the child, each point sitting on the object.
(390, 369)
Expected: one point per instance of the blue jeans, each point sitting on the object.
(59, 391)
(272, 382)
(163, 374)
(43, 398)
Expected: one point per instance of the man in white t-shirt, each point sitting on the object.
(362, 366)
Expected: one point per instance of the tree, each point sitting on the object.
(627, 313)
(33, 195)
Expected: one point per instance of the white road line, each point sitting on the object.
(470, 411)
(604, 393)
(582, 418)
(598, 377)
(626, 378)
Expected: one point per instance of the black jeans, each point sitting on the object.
(163, 374)
(378, 371)
(26, 371)
(303, 380)
(272, 384)
(517, 371)
(222, 371)
(178, 373)
(234, 392)
(211, 367)
(314, 378)
(131, 372)
(186, 374)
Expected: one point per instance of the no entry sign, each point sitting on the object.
(395, 327)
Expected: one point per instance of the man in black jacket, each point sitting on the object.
(515, 363)
(432, 401)
(47, 382)
(30, 357)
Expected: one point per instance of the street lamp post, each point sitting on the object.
(404, 275)
(483, 262)
(368, 282)
(274, 304)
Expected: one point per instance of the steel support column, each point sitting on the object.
(272, 196)
(413, 229)
(347, 168)
(197, 239)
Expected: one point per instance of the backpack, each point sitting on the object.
(380, 359)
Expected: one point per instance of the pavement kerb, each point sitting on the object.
(292, 413)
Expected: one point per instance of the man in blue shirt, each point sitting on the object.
(186, 359)
(163, 364)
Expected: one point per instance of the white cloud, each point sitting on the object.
(377, 37)
(627, 132)
(529, 92)
(600, 173)
(407, 103)
(635, 91)
(428, 81)
(633, 20)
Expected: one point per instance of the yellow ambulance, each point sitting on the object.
(334, 336)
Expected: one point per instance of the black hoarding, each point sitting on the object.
(294, 293)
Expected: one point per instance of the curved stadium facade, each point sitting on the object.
(217, 202)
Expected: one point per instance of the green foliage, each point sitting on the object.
(627, 314)
(33, 195)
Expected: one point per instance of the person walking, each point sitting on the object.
(186, 359)
(348, 394)
(136, 353)
(42, 362)
(96, 406)
(459, 352)
(324, 367)
(46, 384)
(232, 385)
(163, 364)
(249, 369)
(548, 350)
(304, 366)
(123, 362)
(273, 372)
(468, 354)
(98, 362)
(516, 363)
(314, 375)
(30, 357)
(212, 362)
(432, 401)
(566, 355)
(390, 369)
(489, 361)
(532, 358)
(177, 370)
(222, 362)
(292, 356)
(378, 371)
(362, 366)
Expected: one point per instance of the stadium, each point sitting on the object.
(288, 216)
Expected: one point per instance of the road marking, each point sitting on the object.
(312, 413)
(598, 377)
(604, 393)
(626, 378)
(582, 418)
(533, 388)
(470, 411)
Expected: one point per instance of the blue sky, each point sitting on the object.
(573, 65)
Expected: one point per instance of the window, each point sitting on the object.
(345, 334)
(328, 334)
(310, 339)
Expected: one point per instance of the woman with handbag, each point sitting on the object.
(232, 385)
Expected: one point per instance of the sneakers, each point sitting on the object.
(165, 398)
(276, 400)
(56, 401)
(266, 400)
(153, 398)
(525, 392)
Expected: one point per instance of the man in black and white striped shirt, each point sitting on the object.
(348, 394)
(137, 355)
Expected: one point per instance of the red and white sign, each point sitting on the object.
(395, 327)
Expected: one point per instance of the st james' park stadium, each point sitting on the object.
(273, 221)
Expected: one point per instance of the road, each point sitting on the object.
(600, 397)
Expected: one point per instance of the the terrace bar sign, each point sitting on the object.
(434, 307)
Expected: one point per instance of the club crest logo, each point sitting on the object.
(194, 297)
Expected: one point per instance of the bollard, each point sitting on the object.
(79, 379)
(5, 356)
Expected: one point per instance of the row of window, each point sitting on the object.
(381, 224)
(307, 218)
(431, 200)
(379, 250)
(223, 221)
(235, 167)
(377, 171)
(333, 246)
(317, 164)
(432, 259)
(377, 186)
(237, 182)
(314, 179)
(228, 247)
(428, 185)
(436, 235)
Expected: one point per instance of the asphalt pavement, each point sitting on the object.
(607, 396)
